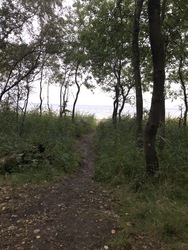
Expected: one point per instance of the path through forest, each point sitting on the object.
(74, 213)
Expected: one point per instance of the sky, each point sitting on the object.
(86, 97)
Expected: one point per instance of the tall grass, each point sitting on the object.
(153, 210)
(117, 155)
(57, 135)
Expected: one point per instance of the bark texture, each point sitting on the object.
(136, 68)
(158, 57)
(77, 93)
(183, 86)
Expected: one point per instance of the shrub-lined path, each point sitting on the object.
(74, 213)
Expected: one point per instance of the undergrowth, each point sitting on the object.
(44, 148)
(153, 210)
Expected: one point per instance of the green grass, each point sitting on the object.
(59, 137)
(151, 209)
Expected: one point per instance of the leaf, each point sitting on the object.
(36, 231)
(106, 247)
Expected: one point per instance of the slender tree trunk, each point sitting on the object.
(60, 101)
(17, 102)
(162, 129)
(65, 99)
(124, 98)
(163, 115)
(116, 104)
(25, 109)
(40, 92)
(48, 96)
(181, 116)
(136, 68)
(158, 57)
(183, 86)
(77, 93)
(117, 73)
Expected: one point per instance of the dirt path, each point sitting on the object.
(72, 214)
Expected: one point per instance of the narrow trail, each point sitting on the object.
(71, 214)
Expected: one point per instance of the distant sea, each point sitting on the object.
(105, 111)
(98, 111)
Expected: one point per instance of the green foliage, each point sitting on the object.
(84, 124)
(150, 208)
(117, 154)
(55, 137)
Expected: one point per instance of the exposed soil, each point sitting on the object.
(74, 213)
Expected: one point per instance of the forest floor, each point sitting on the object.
(74, 213)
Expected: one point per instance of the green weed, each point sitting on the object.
(155, 206)
(47, 145)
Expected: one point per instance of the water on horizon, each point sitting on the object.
(105, 111)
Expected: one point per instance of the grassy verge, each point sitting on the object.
(44, 149)
(153, 210)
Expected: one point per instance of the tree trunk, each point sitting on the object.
(162, 128)
(77, 93)
(163, 115)
(48, 96)
(158, 58)
(17, 102)
(40, 92)
(124, 98)
(183, 86)
(24, 109)
(63, 98)
(117, 73)
(116, 104)
(163, 10)
(60, 100)
(136, 68)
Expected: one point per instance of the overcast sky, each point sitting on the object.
(86, 96)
